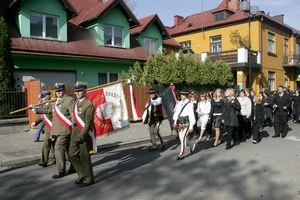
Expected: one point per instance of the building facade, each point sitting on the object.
(274, 46)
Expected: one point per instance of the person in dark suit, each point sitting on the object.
(258, 118)
(230, 117)
(268, 107)
(281, 105)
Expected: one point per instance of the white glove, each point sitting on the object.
(32, 125)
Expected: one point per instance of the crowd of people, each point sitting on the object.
(241, 114)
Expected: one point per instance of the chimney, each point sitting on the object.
(279, 18)
(233, 4)
(178, 20)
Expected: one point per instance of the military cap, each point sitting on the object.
(59, 87)
(152, 90)
(44, 94)
(79, 86)
(184, 92)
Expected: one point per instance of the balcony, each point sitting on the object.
(291, 61)
(237, 59)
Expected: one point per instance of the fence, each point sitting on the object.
(12, 100)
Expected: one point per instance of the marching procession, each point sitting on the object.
(230, 116)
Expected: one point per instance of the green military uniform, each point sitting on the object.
(62, 133)
(48, 144)
(78, 150)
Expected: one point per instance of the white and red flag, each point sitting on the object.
(110, 109)
(136, 114)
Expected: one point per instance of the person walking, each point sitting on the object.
(217, 107)
(203, 112)
(230, 117)
(268, 108)
(184, 120)
(153, 117)
(49, 141)
(296, 106)
(244, 116)
(258, 118)
(83, 120)
(281, 105)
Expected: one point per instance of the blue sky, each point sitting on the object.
(166, 9)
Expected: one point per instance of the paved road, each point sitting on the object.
(269, 170)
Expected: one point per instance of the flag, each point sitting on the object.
(136, 114)
(169, 103)
(110, 109)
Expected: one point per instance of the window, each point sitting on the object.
(185, 45)
(151, 45)
(298, 49)
(271, 81)
(107, 77)
(219, 16)
(113, 36)
(286, 80)
(43, 26)
(286, 47)
(216, 44)
(271, 42)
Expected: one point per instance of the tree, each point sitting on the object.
(135, 72)
(184, 70)
(6, 61)
(239, 41)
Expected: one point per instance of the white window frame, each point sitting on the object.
(217, 44)
(286, 47)
(271, 43)
(286, 80)
(297, 49)
(151, 40)
(113, 35)
(271, 80)
(44, 26)
(186, 45)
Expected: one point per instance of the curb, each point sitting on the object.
(34, 159)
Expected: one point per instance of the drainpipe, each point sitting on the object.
(261, 51)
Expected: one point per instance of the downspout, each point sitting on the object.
(261, 51)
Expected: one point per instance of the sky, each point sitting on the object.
(166, 9)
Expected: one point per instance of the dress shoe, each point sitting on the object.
(79, 180)
(228, 146)
(43, 164)
(82, 184)
(152, 148)
(163, 147)
(275, 136)
(71, 171)
(58, 175)
(283, 136)
(180, 157)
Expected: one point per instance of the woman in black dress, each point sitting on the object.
(268, 107)
(296, 106)
(258, 118)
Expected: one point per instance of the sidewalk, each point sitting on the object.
(19, 149)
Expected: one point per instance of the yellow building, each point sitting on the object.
(274, 52)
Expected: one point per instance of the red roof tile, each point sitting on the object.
(206, 19)
(171, 42)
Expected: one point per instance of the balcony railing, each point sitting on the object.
(235, 58)
(293, 60)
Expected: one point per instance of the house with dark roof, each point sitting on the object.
(274, 55)
(84, 40)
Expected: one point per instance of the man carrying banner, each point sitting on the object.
(83, 116)
(153, 117)
(48, 144)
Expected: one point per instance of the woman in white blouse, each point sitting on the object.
(184, 120)
(203, 112)
(245, 114)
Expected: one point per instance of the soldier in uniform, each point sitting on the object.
(61, 128)
(48, 144)
(154, 119)
(83, 117)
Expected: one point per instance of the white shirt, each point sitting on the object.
(246, 105)
(204, 107)
(187, 111)
(156, 102)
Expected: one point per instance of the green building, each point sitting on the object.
(84, 40)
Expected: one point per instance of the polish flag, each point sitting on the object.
(110, 109)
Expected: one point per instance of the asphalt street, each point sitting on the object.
(268, 170)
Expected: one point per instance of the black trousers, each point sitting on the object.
(244, 127)
(280, 124)
(255, 131)
(232, 132)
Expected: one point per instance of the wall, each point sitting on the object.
(151, 32)
(50, 7)
(114, 17)
(86, 69)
